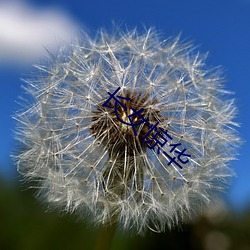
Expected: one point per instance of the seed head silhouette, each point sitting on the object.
(91, 153)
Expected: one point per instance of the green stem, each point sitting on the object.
(105, 236)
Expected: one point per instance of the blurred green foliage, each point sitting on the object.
(25, 225)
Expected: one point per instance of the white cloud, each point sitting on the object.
(25, 31)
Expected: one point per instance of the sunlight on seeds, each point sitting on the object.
(128, 127)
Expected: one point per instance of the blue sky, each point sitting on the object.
(221, 27)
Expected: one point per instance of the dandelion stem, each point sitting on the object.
(105, 236)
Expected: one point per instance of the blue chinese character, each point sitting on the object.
(172, 160)
(129, 117)
(180, 153)
(112, 96)
(157, 141)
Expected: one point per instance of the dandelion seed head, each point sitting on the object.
(86, 160)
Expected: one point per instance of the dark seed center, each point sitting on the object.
(114, 127)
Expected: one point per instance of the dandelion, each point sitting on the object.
(86, 158)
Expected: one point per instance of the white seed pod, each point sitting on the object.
(86, 159)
